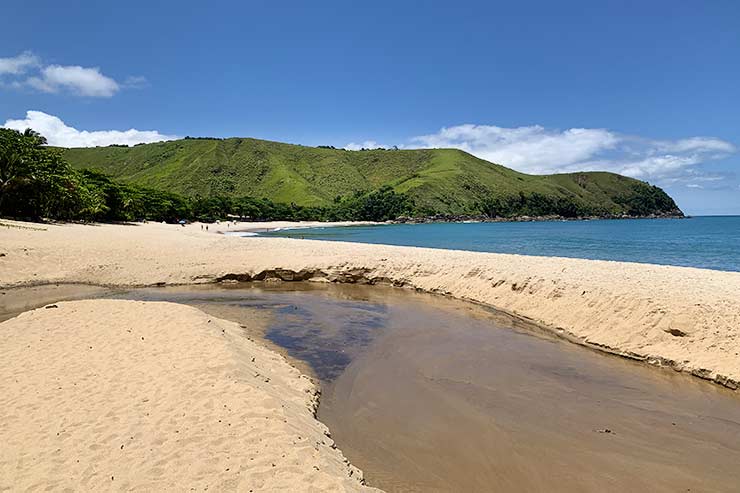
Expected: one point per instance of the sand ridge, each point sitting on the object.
(150, 396)
(685, 318)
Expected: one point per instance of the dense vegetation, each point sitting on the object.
(36, 181)
(438, 181)
(640, 200)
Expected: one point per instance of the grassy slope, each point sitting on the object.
(443, 180)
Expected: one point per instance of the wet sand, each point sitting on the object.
(13, 302)
(429, 394)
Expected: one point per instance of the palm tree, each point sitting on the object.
(11, 164)
(37, 137)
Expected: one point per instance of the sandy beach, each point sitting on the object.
(684, 318)
(105, 393)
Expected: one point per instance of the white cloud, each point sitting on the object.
(57, 133)
(533, 149)
(79, 80)
(702, 144)
(27, 71)
(135, 82)
(665, 165)
(18, 64)
(536, 149)
(368, 144)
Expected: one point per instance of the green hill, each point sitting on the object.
(445, 181)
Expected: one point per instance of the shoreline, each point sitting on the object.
(683, 318)
(270, 226)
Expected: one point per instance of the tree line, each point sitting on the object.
(36, 182)
(534, 204)
(641, 199)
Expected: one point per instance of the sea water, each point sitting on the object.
(709, 242)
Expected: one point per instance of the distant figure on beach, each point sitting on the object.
(206, 227)
(201, 227)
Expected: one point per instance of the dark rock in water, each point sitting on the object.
(51, 306)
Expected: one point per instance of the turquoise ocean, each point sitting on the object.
(708, 242)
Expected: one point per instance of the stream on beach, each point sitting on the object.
(425, 393)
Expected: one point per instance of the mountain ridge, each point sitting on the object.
(439, 181)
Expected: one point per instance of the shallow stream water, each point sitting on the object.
(429, 394)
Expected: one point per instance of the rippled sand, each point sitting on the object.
(127, 395)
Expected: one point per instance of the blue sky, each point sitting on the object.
(649, 89)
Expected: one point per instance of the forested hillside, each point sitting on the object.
(437, 181)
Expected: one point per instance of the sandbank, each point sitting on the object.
(128, 395)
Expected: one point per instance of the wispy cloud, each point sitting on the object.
(60, 134)
(532, 148)
(135, 82)
(536, 149)
(18, 64)
(27, 71)
(76, 79)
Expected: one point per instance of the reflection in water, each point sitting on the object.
(310, 332)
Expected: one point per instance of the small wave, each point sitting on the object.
(240, 233)
(298, 226)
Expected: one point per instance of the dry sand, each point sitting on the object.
(685, 318)
(121, 395)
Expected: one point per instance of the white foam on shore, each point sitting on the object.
(240, 233)
(290, 228)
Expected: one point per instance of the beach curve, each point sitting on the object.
(684, 318)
